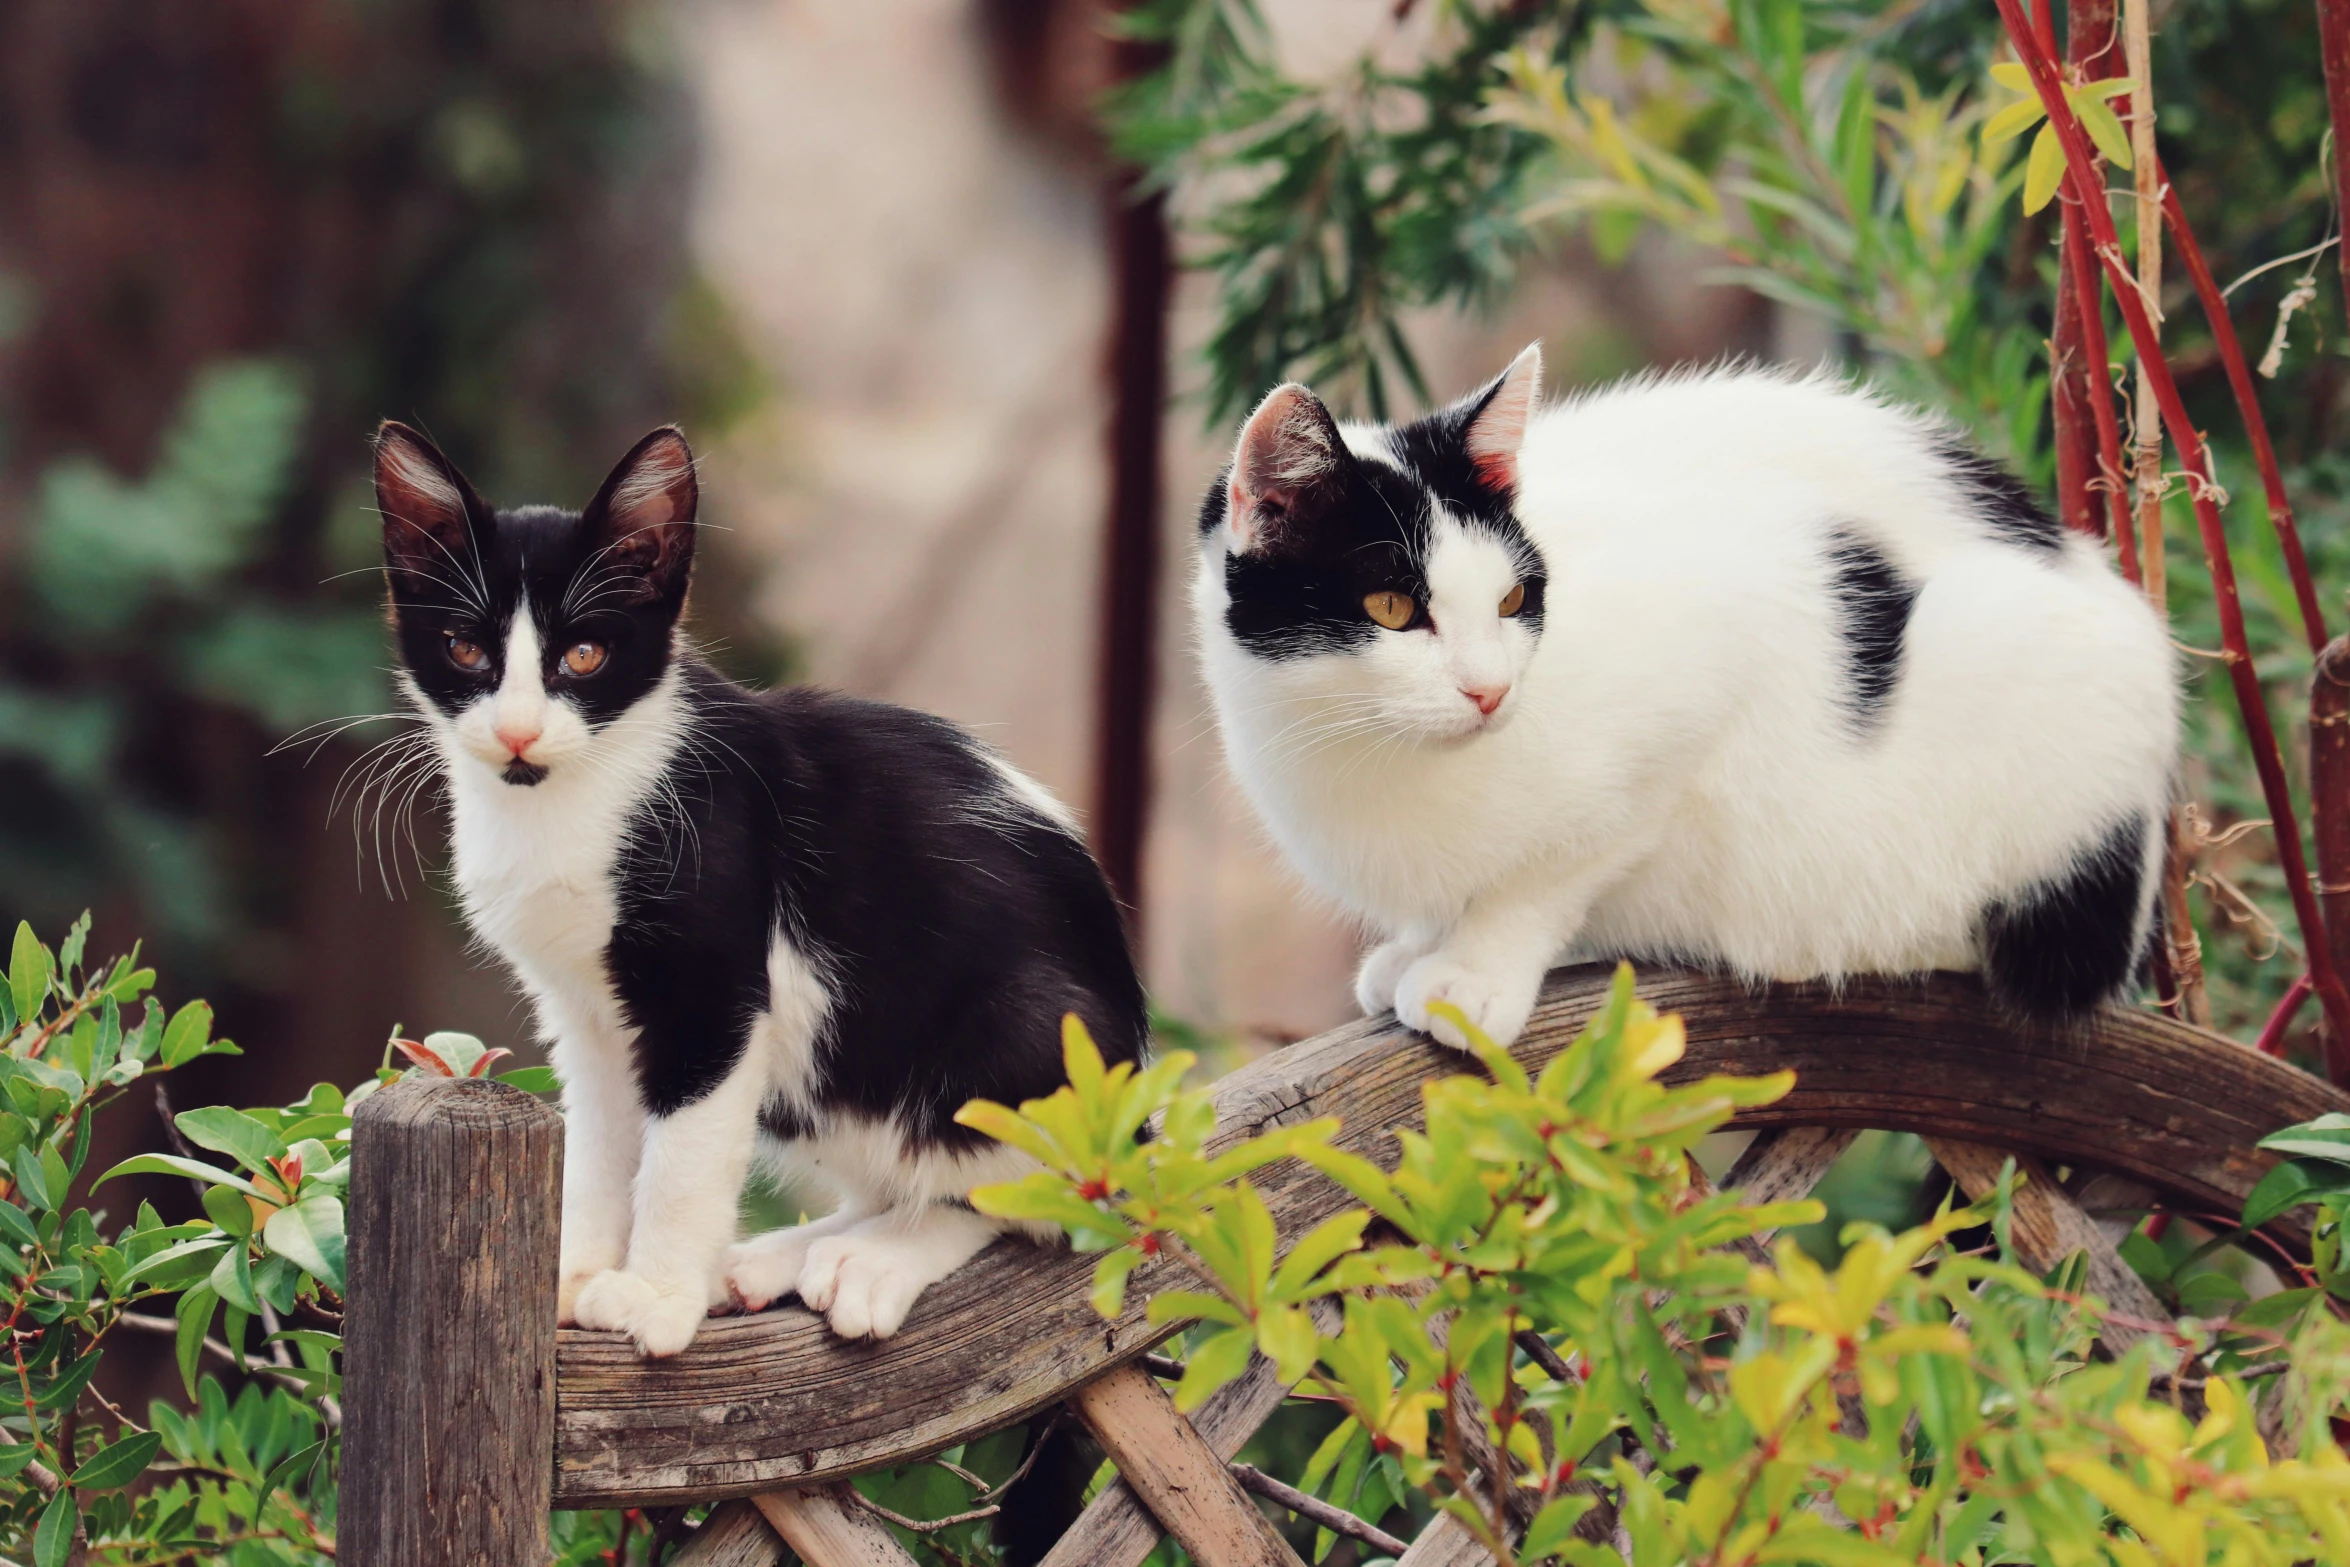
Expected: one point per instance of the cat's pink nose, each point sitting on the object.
(1487, 698)
(519, 740)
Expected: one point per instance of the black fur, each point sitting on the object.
(954, 921)
(2068, 944)
(1874, 603)
(2004, 501)
(1364, 529)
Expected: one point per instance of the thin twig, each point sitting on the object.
(1314, 1510)
(1538, 1350)
(918, 1525)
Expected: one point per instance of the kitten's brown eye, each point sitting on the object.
(469, 656)
(584, 658)
(1390, 609)
(1513, 601)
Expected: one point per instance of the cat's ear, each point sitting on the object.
(429, 511)
(1498, 416)
(1282, 470)
(643, 517)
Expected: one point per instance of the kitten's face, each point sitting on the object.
(1375, 580)
(524, 634)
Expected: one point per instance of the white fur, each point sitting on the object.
(1674, 772)
(650, 1202)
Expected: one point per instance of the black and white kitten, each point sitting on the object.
(782, 924)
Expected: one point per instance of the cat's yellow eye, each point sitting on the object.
(584, 658)
(468, 655)
(1390, 609)
(1513, 601)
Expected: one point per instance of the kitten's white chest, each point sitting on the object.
(538, 879)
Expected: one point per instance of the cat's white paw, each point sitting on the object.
(662, 1321)
(866, 1283)
(1497, 1001)
(764, 1269)
(1382, 968)
(571, 1276)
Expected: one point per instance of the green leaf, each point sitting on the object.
(2104, 129)
(2011, 122)
(2291, 1184)
(232, 1280)
(32, 1182)
(161, 1268)
(69, 951)
(195, 1321)
(185, 1036)
(230, 1209)
(2327, 1137)
(531, 1079)
(310, 1235)
(2045, 172)
(231, 1132)
(18, 1226)
(173, 1164)
(69, 1384)
(1211, 1363)
(53, 1540)
(2278, 1310)
(28, 973)
(292, 1466)
(118, 1464)
(1554, 1525)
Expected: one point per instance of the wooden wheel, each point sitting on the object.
(773, 1406)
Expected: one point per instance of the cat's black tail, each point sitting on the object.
(1046, 1501)
(2064, 945)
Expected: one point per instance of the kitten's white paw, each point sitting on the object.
(764, 1269)
(1497, 1002)
(1383, 966)
(866, 1283)
(571, 1276)
(662, 1321)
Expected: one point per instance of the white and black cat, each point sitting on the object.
(785, 923)
(1735, 668)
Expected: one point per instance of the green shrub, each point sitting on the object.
(1925, 1401)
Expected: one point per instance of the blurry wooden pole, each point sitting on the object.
(2089, 35)
(2329, 811)
(1141, 268)
(2333, 34)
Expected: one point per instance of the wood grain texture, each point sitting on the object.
(826, 1527)
(735, 1535)
(449, 1346)
(1447, 1542)
(1785, 1164)
(1178, 1476)
(1116, 1530)
(2047, 1227)
(775, 1399)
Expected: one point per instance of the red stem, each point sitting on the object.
(2264, 452)
(2272, 1033)
(2080, 162)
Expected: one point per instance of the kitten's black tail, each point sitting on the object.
(1046, 1501)
(2059, 948)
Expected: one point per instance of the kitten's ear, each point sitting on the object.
(1282, 470)
(1498, 417)
(428, 508)
(644, 516)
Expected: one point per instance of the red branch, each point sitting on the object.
(2080, 166)
(2100, 386)
(2264, 452)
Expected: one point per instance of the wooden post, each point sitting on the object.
(449, 1348)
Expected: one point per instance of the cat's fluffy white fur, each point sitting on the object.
(1674, 770)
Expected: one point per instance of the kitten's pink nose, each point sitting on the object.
(519, 740)
(1487, 698)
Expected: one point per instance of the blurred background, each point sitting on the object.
(955, 404)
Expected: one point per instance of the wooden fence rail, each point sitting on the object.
(465, 1406)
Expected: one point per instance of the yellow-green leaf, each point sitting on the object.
(2104, 129)
(2045, 171)
(2012, 121)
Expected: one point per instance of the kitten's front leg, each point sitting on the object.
(688, 1185)
(603, 1135)
(1384, 965)
(1491, 965)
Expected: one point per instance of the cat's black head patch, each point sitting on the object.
(604, 586)
(1317, 527)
